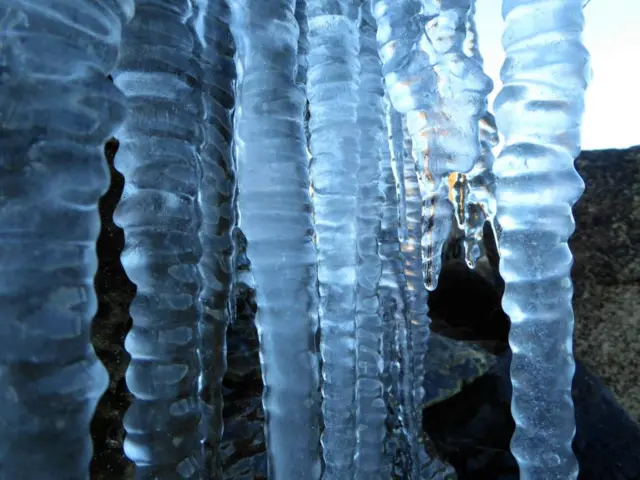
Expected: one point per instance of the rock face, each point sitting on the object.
(606, 273)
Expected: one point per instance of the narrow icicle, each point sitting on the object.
(274, 208)
(394, 126)
(57, 110)
(371, 409)
(417, 321)
(539, 111)
(216, 201)
(440, 91)
(392, 300)
(160, 214)
(332, 88)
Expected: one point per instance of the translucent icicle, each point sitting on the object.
(394, 126)
(539, 111)
(440, 91)
(216, 201)
(392, 298)
(473, 193)
(275, 217)
(57, 110)
(332, 88)
(160, 214)
(416, 321)
(371, 409)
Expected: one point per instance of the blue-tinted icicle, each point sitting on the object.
(417, 320)
(539, 111)
(394, 126)
(392, 299)
(440, 91)
(473, 194)
(159, 156)
(371, 408)
(332, 89)
(216, 200)
(57, 109)
(275, 216)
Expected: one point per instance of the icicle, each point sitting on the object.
(392, 295)
(332, 89)
(274, 206)
(57, 110)
(394, 126)
(371, 409)
(539, 111)
(417, 320)
(216, 200)
(473, 193)
(160, 214)
(440, 91)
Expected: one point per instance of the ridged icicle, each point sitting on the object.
(57, 110)
(371, 408)
(216, 201)
(332, 89)
(275, 216)
(159, 156)
(539, 112)
(440, 91)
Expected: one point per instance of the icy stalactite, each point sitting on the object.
(275, 216)
(159, 156)
(416, 320)
(57, 110)
(473, 194)
(539, 111)
(394, 126)
(371, 410)
(216, 202)
(440, 91)
(332, 89)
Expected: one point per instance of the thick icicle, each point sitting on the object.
(332, 88)
(160, 214)
(371, 409)
(57, 109)
(216, 200)
(440, 91)
(539, 111)
(274, 208)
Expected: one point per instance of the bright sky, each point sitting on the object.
(612, 37)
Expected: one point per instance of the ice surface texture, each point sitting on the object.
(539, 111)
(57, 109)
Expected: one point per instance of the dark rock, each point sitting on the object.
(606, 273)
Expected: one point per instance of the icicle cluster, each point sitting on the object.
(218, 106)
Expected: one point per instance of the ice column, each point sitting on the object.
(539, 112)
(216, 200)
(332, 88)
(371, 409)
(57, 109)
(416, 321)
(392, 295)
(275, 216)
(159, 156)
(441, 92)
(473, 194)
